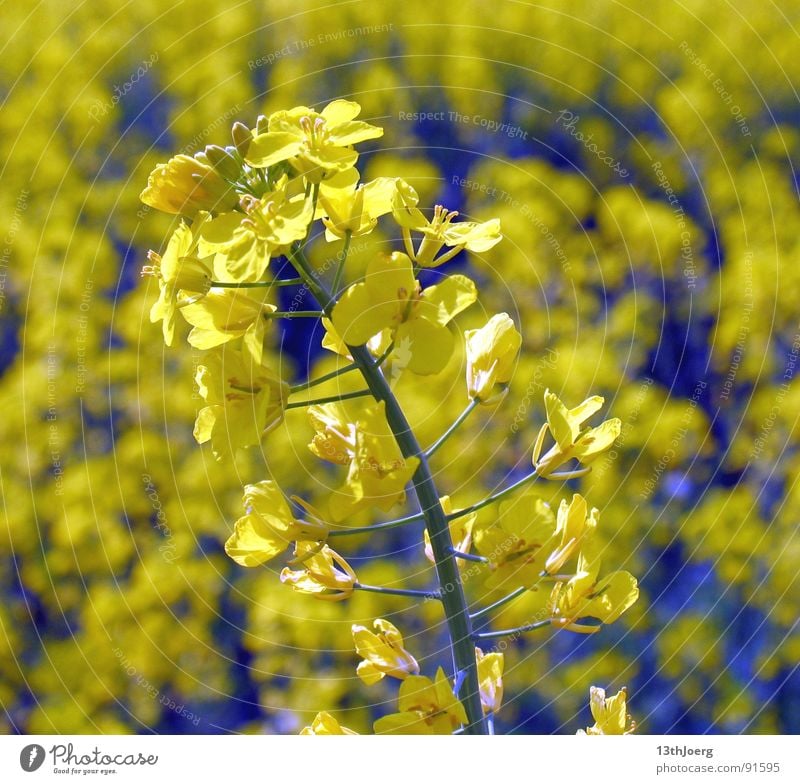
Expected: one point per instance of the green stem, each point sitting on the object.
(348, 235)
(512, 632)
(218, 284)
(309, 275)
(452, 429)
(322, 379)
(470, 557)
(366, 529)
(499, 603)
(452, 591)
(398, 591)
(383, 357)
(294, 314)
(332, 399)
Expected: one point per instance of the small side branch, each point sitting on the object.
(512, 632)
(322, 379)
(494, 497)
(499, 603)
(259, 284)
(469, 556)
(398, 591)
(331, 399)
(315, 314)
(452, 429)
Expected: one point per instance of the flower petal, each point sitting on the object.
(369, 673)
(404, 723)
(217, 233)
(273, 147)
(477, 237)
(340, 111)
(597, 440)
(564, 429)
(431, 345)
(391, 278)
(354, 132)
(448, 298)
(357, 317)
(589, 406)
(252, 543)
(378, 195)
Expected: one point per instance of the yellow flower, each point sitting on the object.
(184, 185)
(316, 144)
(176, 271)
(588, 596)
(325, 724)
(490, 679)
(440, 231)
(224, 315)
(571, 441)
(360, 436)
(383, 653)
(390, 298)
(334, 436)
(355, 208)
(268, 526)
(325, 574)
(460, 530)
(574, 527)
(517, 542)
(491, 352)
(610, 713)
(426, 708)
(244, 244)
(244, 400)
(378, 471)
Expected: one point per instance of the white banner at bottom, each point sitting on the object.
(390, 760)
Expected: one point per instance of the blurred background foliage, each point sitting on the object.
(650, 255)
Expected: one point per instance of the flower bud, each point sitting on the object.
(383, 653)
(491, 352)
(242, 136)
(185, 185)
(223, 162)
(325, 574)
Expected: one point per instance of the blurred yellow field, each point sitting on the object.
(623, 178)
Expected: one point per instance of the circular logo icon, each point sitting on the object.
(31, 757)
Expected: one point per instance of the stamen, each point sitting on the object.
(152, 270)
(248, 203)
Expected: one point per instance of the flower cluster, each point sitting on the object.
(252, 207)
(425, 706)
(529, 547)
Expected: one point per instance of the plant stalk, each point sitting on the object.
(451, 589)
